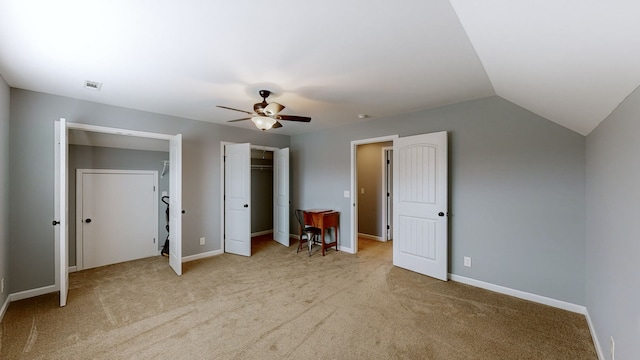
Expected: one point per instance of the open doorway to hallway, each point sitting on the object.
(372, 190)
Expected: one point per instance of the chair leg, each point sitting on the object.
(300, 244)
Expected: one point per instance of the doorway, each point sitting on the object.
(61, 143)
(372, 177)
(420, 201)
(238, 169)
(261, 206)
(369, 183)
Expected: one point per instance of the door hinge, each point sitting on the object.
(388, 227)
(154, 188)
(388, 194)
(388, 162)
(154, 240)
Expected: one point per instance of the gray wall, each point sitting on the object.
(369, 169)
(31, 251)
(94, 157)
(613, 213)
(261, 197)
(4, 187)
(516, 190)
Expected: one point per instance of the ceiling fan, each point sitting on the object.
(266, 115)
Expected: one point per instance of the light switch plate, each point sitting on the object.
(346, 193)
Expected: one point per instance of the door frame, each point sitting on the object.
(387, 201)
(222, 183)
(61, 253)
(354, 191)
(79, 206)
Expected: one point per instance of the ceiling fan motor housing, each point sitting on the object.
(264, 94)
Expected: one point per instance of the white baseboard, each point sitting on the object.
(201, 255)
(348, 250)
(372, 237)
(32, 293)
(4, 307)
(521, 294)
(260, 233)
(594, 337)
(73, 269)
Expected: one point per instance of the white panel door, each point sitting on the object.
(175, 203)
(281, 196)
(61, 214)
(420, 220)
(117, 217)
(237, 194)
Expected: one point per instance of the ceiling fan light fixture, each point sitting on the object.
(263, 122)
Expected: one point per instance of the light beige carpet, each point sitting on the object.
(281, 305)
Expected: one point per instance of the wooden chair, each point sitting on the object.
(308, 233)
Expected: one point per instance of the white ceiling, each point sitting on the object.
(569, 61)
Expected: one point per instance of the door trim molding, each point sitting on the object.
(79, 191)
(385, 200)
(118, 131)
(354, 191)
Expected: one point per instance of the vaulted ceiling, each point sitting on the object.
(569, 61)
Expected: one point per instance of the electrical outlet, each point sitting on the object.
(201, 241)
(467, 261)
(361, 190)
(613, 349)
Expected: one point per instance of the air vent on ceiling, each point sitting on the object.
(93, 85)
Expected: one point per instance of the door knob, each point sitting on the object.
(54, 223)
(88, 221)
(246, 205)
(440, 213)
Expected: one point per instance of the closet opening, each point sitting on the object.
(255, 184)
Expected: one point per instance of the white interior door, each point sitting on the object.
(116, 216)
(237, 194)
(420, 212)
(281, 196)
(62, 234)
(175, 203)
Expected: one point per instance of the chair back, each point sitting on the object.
(300, 217)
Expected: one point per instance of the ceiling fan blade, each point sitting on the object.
(228, 108)
(276, 125)
(238, 119)
(273, 108)
(293, 118)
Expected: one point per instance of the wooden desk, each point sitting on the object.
(324, 219)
